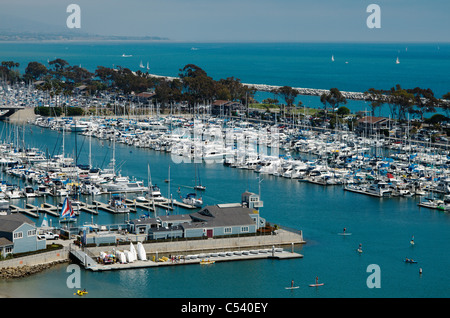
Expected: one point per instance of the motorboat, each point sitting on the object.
(191, 199)
(117, 203)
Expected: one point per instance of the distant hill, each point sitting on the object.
(40, 36)
(18, 29)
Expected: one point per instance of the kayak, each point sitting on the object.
(80, 293)
(410, 261)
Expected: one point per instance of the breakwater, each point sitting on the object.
(301, 91)
(26, 270)
(306, 91)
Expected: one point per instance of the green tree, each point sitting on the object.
(444, 103)
(375, 97)
(7, 70)
(342, 111)
(424, 100)
(58, 67)
(35, 71)
(401, 100)
(333, 98)
(198, 86)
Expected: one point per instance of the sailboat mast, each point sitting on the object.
(90, 151)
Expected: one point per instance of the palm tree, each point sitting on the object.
(376, 98)
(334, 97)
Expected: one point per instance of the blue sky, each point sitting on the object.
(246, 20)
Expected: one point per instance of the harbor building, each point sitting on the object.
(211, 221)
(18, 235)
(224, 219)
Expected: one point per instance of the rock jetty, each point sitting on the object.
(301, 91)
(26, 270)
(306, 91)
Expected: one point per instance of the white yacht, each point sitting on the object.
(124, 186)
(191, 199)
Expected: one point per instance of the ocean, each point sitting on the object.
(357, 66)
(384, 227)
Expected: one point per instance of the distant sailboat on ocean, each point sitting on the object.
(141, 65)
(332, 58)
(148, 67)
(397, 61)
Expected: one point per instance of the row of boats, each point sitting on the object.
(374, 166)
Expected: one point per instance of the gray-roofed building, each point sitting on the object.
(224, 219)
(142, 225)
(174, 219)
(164, 232)
(213, 220)
(6, 246)
(21, 231)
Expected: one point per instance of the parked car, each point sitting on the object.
(48, 236)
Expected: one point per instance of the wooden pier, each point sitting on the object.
(93, 208)
(166, 204)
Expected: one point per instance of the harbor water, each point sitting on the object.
(384, 227)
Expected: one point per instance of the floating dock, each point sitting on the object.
(193, 251)
(198, 258)
(107, 208)
(166, 204)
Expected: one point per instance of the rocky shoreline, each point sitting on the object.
(26, 270)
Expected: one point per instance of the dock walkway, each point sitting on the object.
(255, 255)
(193, 251)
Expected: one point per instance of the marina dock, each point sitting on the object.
(107, 208)
(197, 260)
(186, 252)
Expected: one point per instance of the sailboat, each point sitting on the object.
(148, 67)
(198, 186)
(67, 212)
(397, 61)
(141, 65)
(332, 58)
(45, 221)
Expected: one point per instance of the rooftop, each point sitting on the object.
(224, 215)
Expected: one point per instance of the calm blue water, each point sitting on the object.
(383, 227)
(294, 64)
